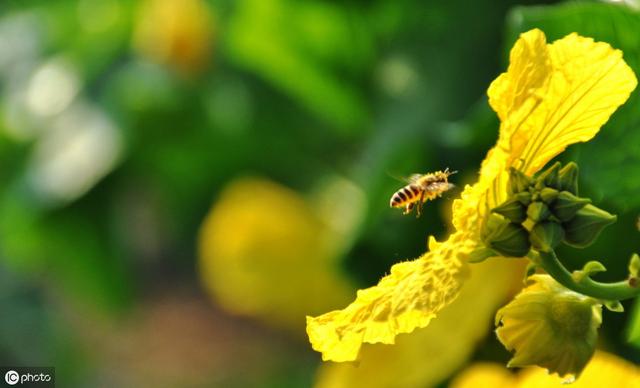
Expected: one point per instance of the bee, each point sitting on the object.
(420, 189)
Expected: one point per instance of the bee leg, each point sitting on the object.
(419, 207)
(408, 208)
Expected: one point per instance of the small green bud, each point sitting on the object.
(512, 210)
(548, 178)
(480, 254)
(506, 238)
(538, 211)
(567, 205)
(590, 268)
(593, 267)
(518, 181)
(614, 306)
(545, 236)
(586, 225)
(524, 198)
(634, 266)
(491, 225)
(568, 178)
(548, 195)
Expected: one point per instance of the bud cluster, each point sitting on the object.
(542, 212)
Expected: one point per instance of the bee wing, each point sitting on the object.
(413, 178)
(410, 179)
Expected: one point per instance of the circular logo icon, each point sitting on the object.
(12, 377)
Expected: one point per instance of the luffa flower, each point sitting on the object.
(552, 95)
(550, 326)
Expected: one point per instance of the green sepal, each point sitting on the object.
(583, 229)
(545, 236)
(506, 238)
(531, 270)
(613, 305)
(512, 209)
(518, 181)
(480, 254)
(538, 211)
(548, 178)
(568, 178)
(548, 195)
(634, 266)
(567, 205)
(491, 225)
(524, 198)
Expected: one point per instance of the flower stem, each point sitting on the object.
(586, 286)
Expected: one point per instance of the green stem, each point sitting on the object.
(606, 291)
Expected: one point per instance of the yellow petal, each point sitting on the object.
(554, 95)
(404, 300)
(429, 355)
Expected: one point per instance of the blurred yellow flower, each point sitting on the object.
(550, 326)
(176, 33)
(604, 370)
(551, 96)
(264, 253)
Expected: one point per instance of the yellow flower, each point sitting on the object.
(550, 326)
(604, 370)
(177, 33)
(265, 253)
(551, 96)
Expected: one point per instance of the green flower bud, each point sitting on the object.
(589, 269)
(548, 178)
(493, 223)
(634, 266)
(568, 178)
(506, 238)
(538, 211)
(586, 225)
(524, 198)
(614, 306)
(548, 195)
(518, 181)
(567, 205)
(550, 326)
(545, 236)
(512, 209)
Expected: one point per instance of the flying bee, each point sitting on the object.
(420, 189)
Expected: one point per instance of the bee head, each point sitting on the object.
(449, 173)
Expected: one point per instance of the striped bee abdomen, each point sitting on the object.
(409, 193)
